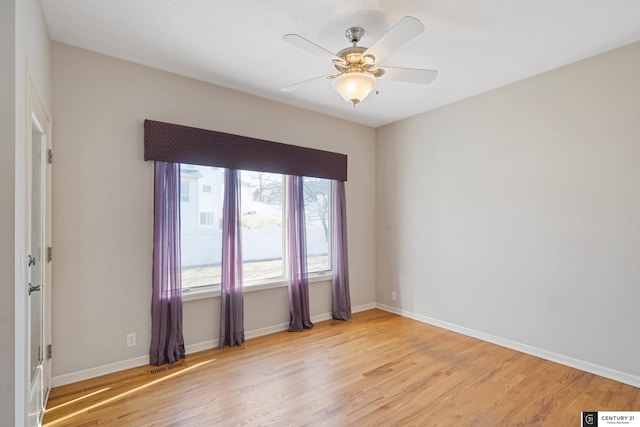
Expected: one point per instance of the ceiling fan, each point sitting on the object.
(357, 65)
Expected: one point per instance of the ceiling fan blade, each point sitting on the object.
(304, 44)
(410, 75)
(406, 29)
(305, 83)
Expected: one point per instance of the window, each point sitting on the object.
(206, 218)
(262, 197)
(184, 190)
(200, 239)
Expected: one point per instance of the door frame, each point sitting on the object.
(36, 112)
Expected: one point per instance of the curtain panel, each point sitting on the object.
(297, 246)
(167, 343)
(231, 296)
(341, 299)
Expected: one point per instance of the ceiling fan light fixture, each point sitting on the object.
(354, 87)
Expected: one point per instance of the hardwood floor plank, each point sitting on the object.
(375, 369)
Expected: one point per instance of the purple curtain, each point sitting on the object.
(341, 300)
(297, 246)
(231, 298)
(167, 343)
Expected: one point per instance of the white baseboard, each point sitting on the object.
(582, 365)
(200, 346)
(364, 307)
(110, 368)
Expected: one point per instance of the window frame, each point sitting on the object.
(213, 291)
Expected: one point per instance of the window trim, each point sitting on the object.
(213, 291)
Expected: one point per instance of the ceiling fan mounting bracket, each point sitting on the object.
(354, 34)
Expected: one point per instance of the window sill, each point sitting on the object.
(214, 291)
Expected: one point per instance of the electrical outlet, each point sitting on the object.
(394, 296)
(131, 340)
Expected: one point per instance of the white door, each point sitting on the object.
(38, 269)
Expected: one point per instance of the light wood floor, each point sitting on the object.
(376, 369)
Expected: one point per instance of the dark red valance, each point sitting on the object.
(168, 142)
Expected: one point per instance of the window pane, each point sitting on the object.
(206, 218)
(262, 234)
(317, 207)
(200, 225)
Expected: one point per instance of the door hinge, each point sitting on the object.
(49, 156)
(49, 254)
(49, 351)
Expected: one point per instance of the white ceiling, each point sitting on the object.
(475, 45)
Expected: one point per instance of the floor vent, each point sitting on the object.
(157, 370)
(165, 368)
(178, 364)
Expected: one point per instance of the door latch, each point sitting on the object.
(34, 288)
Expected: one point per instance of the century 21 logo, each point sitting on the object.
(590, 419)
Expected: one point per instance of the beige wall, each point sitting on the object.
(7, 209)
(103, 202)
(516, 213)
(23, 40)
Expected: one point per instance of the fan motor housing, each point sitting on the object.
(354, 61)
